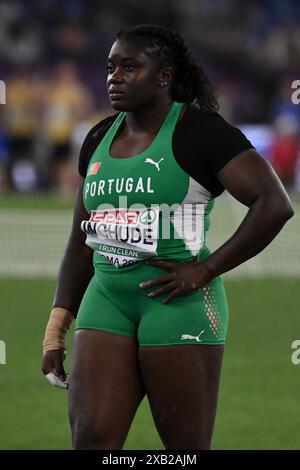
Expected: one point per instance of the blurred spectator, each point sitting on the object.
(20, 120)
(82, 127)
(283, 105)
(285, 150)
(21, 40)
(24, 176)
(251, 51)
(286, 124)
(4, 155)
(65, 102)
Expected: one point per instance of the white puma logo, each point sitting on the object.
(193, 337)
(149, 160)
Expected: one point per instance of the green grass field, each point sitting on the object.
(259, 395)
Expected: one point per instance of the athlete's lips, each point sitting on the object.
(115, 93)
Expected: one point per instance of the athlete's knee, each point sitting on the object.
(201, 444)
(91, 434)
(188, 441)
(191, 445)
(88, 436)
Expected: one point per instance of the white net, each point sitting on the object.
(280, 259)
(32, 242)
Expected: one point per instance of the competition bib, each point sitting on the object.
(123, 236)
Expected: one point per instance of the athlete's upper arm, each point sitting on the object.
(249, 176)
(80, 213)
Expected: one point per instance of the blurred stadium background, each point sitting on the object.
(52, 60)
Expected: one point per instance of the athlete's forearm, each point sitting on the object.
(262, 223)
(75, 273)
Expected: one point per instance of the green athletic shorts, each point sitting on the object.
(115, 303)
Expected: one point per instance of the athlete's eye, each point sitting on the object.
(109, 68)
(129, 67)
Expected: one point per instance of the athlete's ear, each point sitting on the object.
(165, 76)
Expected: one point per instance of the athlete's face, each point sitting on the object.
(133, 77)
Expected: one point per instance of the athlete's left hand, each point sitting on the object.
(182, 279)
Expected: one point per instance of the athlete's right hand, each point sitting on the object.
(53, 367)
(54, 346)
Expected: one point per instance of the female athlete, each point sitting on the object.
(150, 306)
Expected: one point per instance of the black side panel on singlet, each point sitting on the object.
(202, 144)
(91, 142)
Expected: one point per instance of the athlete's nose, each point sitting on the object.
(116, 76)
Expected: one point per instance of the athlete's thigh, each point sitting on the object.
(182, 387)
(198, 318)
(105, 387)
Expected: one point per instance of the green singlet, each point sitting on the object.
(147, 206)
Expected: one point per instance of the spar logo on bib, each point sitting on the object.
(115, 216)
(94, 168)
(123, 236)
(124, 216)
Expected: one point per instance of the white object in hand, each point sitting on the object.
(54, 380)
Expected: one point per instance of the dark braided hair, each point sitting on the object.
(189, 84)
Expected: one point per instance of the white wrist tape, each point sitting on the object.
(58, 325)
